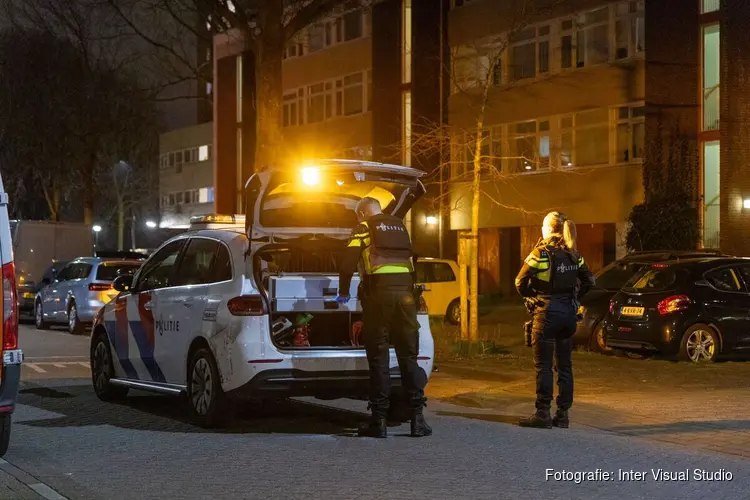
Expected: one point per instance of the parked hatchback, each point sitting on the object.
(78, 291)
(696, 309)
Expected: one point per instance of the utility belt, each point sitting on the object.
(370, 283)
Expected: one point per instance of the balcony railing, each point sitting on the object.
(711, 226)
(710, 6)
(711, 105)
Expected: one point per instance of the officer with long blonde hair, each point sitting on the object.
(552, 280)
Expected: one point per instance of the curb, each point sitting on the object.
(41, 489)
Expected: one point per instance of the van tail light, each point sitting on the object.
(611, 306)
(422, 306)
(672, 304)
(99, 287)
(247, 305)
(10, 308)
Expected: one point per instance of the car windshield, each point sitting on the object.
(108, 271)
(617, 274)
(653, 279)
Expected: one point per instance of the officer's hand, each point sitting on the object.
(342, 299)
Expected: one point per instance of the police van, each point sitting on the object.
(244, 307)
(12, 356)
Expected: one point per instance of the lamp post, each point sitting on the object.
(97, 229)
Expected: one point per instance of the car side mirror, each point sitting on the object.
(702, 283)
(123, 283)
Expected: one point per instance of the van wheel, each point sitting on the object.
(204, 393)
(103, 370)
(5, 424)
(453, 314)
(700, 344)
(74, 324)
(39, 316)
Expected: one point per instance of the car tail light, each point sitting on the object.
(659, 266)
(422, 307)
(673, 304)
(247, 305)
(99, 287)
(612, 306)
(10, 308)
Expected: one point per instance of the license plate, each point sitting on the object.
(14, 357)
(632, 311)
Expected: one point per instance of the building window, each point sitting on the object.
(567, 148)
(406, 130)
(316, 37)
(592, 37)
(203, 153)
(316, 103)
(353, 25)
(592, 137)
(529, 54)
(709, 6)
(406, 41)
(465, 69)
(711, 103)
(353, 94)
(530, 146)
(290, 109)
(631, 133)
(630, 29)
(711, 199)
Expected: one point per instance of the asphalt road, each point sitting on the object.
(82, 448)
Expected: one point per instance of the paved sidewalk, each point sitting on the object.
(712, 420)
(12, 485)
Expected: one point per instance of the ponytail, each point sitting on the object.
(569, 235)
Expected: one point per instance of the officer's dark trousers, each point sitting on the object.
(552, 333)
(390, 317)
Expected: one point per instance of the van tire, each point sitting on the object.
(208, 403)
(39, 316)
(5, 425)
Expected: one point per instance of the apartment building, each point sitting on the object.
(348, 93)
(186, 175)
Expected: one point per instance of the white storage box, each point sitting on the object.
(310, 292)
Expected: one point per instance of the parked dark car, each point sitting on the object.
(609, 280)
(696, 309)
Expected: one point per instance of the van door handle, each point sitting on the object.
(148, 306)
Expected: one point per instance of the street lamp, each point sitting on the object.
(150, 224)
(431, 220)
(97, 228)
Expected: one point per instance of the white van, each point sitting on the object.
(12, 357)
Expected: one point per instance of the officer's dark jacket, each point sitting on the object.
(554, 275)
(379, 245)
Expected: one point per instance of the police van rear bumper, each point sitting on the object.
(11, 379)
(284, 383)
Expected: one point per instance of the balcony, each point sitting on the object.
(711, 103)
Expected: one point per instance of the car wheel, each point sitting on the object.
(103, 370)
(453, 314)
(204, 393)
(39, 316)
(700, 344)
(74, 324)
(5, 424)
(598, 342)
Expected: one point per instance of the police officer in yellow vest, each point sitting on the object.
(380, 248)
(552, 280)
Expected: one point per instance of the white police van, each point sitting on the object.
(243, 307)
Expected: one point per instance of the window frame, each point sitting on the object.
(138, 277)
(631, 122)
(212, 269)
(734, 269)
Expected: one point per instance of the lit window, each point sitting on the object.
(530, 146)
(210, 195)
(203, 153)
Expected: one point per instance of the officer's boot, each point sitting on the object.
(540, 419)
(377, 427)
(419, 427)
(561, 419)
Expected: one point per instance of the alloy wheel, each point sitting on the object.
(39, 315)
(101, 366)
(201, 390)
(700, 346)
(72, 318)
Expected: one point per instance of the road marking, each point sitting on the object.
(39, 358)
(35, 368)
(47, 492)
(58, 365)
(84, 364)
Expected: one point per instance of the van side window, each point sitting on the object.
(158, 271)
(196, 267)
(443, 272)
(222, 265)
(424, 272)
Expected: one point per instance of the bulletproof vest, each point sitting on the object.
(563, 271)
(389, 242)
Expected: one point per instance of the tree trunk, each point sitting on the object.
(55, 204)
(474, 242)
(269, 52)
(120, 225)
(88, 190)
